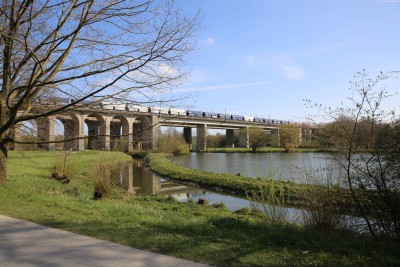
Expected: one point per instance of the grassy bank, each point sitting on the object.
(187, 230)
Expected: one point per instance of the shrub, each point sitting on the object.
(104, 176)
(64, 168)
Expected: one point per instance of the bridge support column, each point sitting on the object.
(230, 138)
(105, 133)
(46, 132)
(128, 135)
(68, 134)
(244, 137)
(202, 137)
(93, 134)
(154, 132)
(187, 135)
(80, 133)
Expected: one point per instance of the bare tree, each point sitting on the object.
(85, 50)
(365, 136)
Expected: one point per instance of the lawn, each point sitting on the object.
(200, 233)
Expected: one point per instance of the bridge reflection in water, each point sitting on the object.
(139, 180)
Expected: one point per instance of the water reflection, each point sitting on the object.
(139, 180)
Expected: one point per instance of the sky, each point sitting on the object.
(264, 57)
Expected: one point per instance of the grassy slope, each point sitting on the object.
(186, 230)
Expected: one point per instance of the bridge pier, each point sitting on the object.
(128, 135)
(202, 137)
(46, 132)
(244, 137)
(93, 134)
(187, 135)
(105, 133)
(154, 132)
(230, 138)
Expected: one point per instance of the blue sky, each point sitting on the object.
(263, 57)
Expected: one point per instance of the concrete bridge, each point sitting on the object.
(110, 127)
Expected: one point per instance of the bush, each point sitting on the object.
(64, 169)
(104, 176)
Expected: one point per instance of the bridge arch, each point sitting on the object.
(96, 125)
(119, 133)
(70, 122)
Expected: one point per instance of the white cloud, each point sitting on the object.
(208, 41)
(219, 87)
(292, 72)
(250, 58)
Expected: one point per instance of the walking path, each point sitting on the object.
(24, 243)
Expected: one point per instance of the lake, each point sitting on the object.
(296, 167)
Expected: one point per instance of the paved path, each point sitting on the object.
(24, 243)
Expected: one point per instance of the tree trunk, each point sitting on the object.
(3, 165)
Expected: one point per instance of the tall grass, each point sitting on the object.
(104, 175)
(64, 168)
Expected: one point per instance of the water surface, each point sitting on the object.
(285, 166)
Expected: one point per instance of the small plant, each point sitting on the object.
(64, 169)
(104, 176)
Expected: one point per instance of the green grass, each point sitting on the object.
(195, 232)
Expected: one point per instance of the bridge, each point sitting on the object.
(128, 127)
